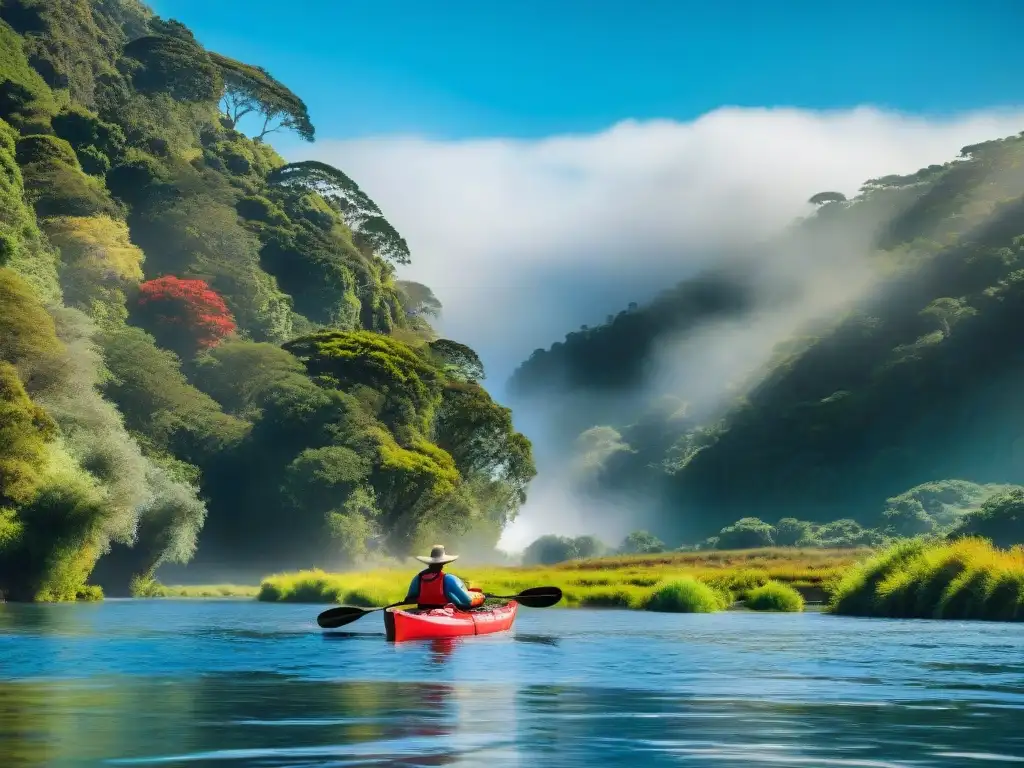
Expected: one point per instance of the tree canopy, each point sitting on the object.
(249, 89)
(362, 214)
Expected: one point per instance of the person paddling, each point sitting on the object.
(433, 588)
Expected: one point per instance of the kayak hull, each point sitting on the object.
(401, 626)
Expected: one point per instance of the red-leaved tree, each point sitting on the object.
(183, 315)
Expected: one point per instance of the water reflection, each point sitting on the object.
(262, 720)
(261, 686)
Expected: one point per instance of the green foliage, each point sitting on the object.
(457, 360)
(82, 128)
(257, 208)
(55, 183)
(747, 533)
(822, 198)
(24, 430)
(479, 435)
(71, 43)
(117, 174)
(641, 543)
(250, 89)
(175, 66)
(98, 263)
(686, 595)
(21, 245)
(352, 526)
(774, 596)
(159, 404)
(551, 549)
(201, 238)
(409, 384)
(240, 374)
(24, 97)
(418, 299)
(1000, 519)
(363, 215)
(790, 532)
(137, 180)
(28, 338)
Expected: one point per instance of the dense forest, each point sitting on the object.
(913, 382)
(205, 352)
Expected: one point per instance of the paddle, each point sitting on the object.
(535, 597)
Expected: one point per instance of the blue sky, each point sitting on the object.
(534, 68)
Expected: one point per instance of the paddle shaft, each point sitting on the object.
(536, 597)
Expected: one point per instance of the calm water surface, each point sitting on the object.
(237, 684)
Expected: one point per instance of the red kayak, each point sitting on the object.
(447, 622)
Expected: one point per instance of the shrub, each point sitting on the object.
(185, 316)
(775, 596)
(686, 595)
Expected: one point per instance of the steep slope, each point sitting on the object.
(914, 378)
(202, 347)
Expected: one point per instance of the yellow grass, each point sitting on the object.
(204, 590)
(964, 579)
(623, 582)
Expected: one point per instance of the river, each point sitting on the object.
(237, 684)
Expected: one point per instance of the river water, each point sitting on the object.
(235, 684)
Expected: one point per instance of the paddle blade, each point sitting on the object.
(539, 597)
(342, 615)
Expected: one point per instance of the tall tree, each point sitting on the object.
(363, 215)
(249, 89)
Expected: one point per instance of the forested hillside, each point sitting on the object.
(204, 350)
(917, 379)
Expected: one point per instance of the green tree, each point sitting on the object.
(747, 533)
(550, 549)
(642, 543)
(174, 65)
(362, 214)
(419, 299)
(24, 430)
(457, 360)
(1000, 519)
(948, 312)
(409, 384)
(249, 89)
(790, 532)
(907, 517)
(827, 197)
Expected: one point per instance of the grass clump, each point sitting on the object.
(686, 595)
(316, 586)
(963, 579)
(775, 596)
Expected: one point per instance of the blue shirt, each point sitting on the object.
(454, 590)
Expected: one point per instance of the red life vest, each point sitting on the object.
(432, 590)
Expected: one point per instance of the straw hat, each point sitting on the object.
(437, 556)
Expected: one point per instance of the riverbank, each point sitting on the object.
(697, 581)
(966, 579)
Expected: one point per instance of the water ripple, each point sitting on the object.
(254, 685)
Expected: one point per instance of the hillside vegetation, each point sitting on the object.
(914, 384)
(205, 352)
